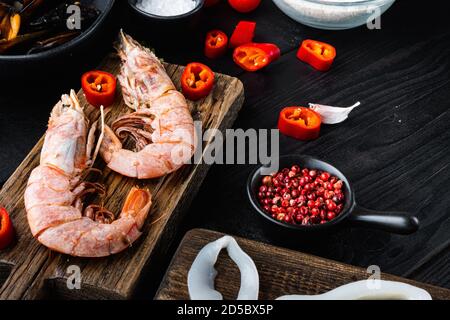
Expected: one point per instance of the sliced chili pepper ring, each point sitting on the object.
(216, 44)
(197, 81)
(300, 123)
(252, 57)
(255, 56)
(6, 229)
(318, 54)
(99, 88)
(320, 49)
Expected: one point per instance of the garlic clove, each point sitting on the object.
(332, 115)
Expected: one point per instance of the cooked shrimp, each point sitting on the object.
(161, 124)
(54, 195)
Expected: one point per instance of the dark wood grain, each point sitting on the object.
(395, 149)
(434, 268)
(281, 271)
(28, 270)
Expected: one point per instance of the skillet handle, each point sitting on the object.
(394, 222)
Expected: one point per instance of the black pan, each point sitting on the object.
(394, 222)
(15, 67)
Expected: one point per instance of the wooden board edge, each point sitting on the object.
(200, 233)
(191, 233)
(226, 122)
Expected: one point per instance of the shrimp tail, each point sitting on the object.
(137, 205)
(84, 237)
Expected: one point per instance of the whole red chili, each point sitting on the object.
(216, 44)
(6, 229)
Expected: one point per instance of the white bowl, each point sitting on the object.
(334, 14)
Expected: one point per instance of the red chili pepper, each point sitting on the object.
(216, 44)
(6, 229)
(300, 123)
(244, 6)
(318, 54)
(197, 81)
(99, 88)
(255, 56)
(243, 34)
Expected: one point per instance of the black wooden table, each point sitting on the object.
(395, 148)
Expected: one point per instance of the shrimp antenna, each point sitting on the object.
(26, 7)
(102, 135)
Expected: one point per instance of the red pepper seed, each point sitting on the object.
(267, 181)
(302, 196)
(331, 206)
(305, 221)
(331, 215)
(325, 176)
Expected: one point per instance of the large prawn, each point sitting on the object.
(161, 124)
(54, 195)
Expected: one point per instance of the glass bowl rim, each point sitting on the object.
(347, 3)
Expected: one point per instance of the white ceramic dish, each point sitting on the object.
(367, 290)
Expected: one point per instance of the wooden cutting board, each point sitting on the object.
(281, 271)
(28, 270)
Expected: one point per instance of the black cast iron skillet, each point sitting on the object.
(394, 222)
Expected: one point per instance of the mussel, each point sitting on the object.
(10, 26)
(10, 21)
(57, 17)
(21, 41)
(46, 44)
(30, 26)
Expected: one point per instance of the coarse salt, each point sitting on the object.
(167, 8)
